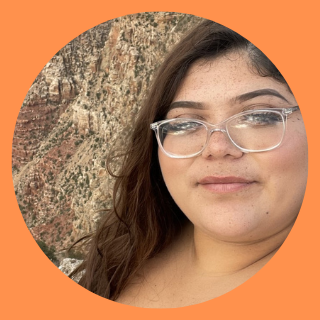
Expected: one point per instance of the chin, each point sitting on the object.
(232, 233)
(235, 226)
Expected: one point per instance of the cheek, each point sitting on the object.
(292, 158)
(285, 171)
(174, 172)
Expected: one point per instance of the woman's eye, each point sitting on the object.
(261, 118)
(181, 127)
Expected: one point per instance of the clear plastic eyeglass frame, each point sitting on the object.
(222, 127)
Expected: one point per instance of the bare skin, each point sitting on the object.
(182, 276)
(231, 235)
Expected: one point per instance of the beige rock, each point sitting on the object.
(79, 107)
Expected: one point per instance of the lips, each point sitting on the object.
(225, 184)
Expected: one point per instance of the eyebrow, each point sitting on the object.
(186, 104)
(242, 98)
(257, 93)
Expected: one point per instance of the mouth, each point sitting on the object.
(225, 184)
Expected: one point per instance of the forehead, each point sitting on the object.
(225, 78)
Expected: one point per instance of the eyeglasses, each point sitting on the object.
(250, 131)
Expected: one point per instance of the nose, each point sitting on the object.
(219, 145)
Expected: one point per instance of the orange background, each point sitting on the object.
(32, 32)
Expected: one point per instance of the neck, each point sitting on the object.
(216, 257)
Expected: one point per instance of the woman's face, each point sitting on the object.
(207, 187)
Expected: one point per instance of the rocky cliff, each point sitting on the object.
(74, 112)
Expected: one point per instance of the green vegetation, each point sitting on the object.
(73, 254)
(49, 252)
(76, 143)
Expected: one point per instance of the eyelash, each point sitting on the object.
(190, 116)
(258, 106)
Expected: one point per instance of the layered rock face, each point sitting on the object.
(75, 111)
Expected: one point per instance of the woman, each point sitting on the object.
(202, 203)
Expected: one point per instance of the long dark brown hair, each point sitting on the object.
(144, 218)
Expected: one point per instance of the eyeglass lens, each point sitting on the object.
(255, 131)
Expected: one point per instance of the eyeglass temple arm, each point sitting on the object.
(287, 111)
